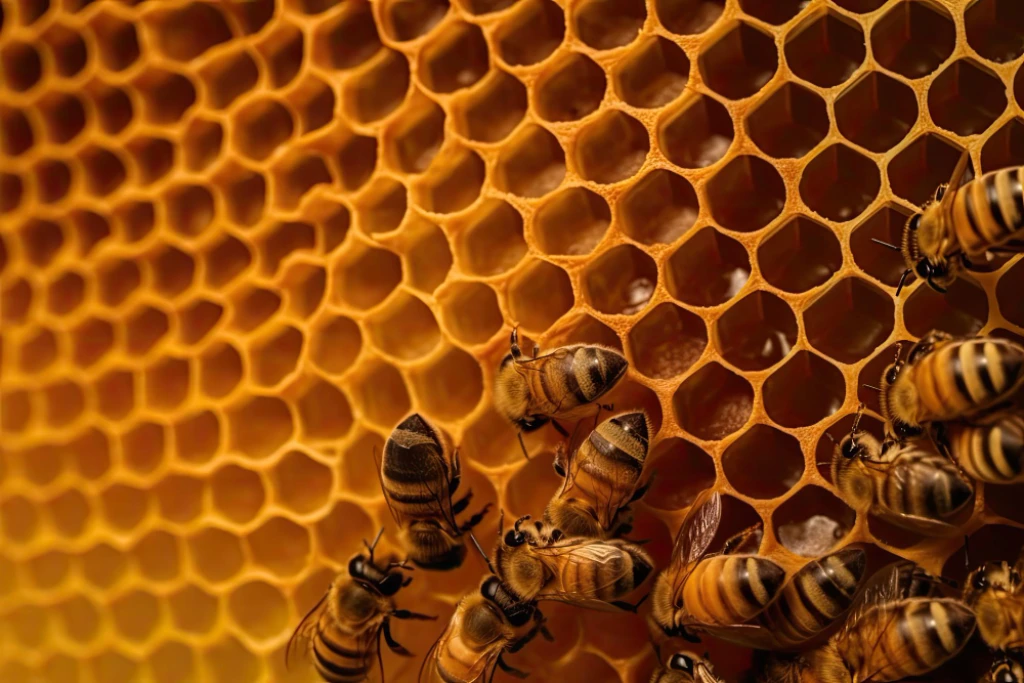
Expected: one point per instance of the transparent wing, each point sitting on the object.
(306, 629)
(575, 557)
(881, 594)
(698, 528)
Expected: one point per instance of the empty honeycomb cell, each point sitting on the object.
(80, 619)
(491, 110)
(296, 174)
(259, 609)
(280, 545)
(684, 470)
(740, 62)
(995, 29)
(305, 285)
(64, 403)
(283, 51)
(244, 193)
(962, 311)
(697, 134)
(172, 270)
(379, 90)
(153, 158)
(667, 341)
(136, 615)
(143, 447)
(133, 220)
(41, 465)
(747, 194)
(607, 24)
(252, 308)
(335, 344)
(913, 38)
(301, 484)
(48, 570)
(283, 240)
(840, 183)
(64, 116)
(872, 372)
(571, 222)
(236, 493)
(825, 49)
(67, 49)
(352, 277)
(220, 370)
(166, 96)
(713, 402)
(812, 522)
(804, 391)
(31, 625)
(411, 142)
(111, 665)
(11, 191)
(571, 89)
(345, 520)
(620, 281)
(16, 301)
(124, 507)
(886, 225)
(380, 394)
(450, 387)
(801, 255)
(314, 101)
(789, 123)
(757, 476)
(259, 425)
(452, 183)
(355, 160)
(470, 311)
(324, 412)
(708, 269)
(427, 256)
(922, 166)
(660, 208)
(966, 98)
(1004, 148)
(158, 556)
(22, 67)
(38, 352)
(197, 436)
(358, 470)
(117, 40)
(18, 136)
(347, 39)
(42, 241)
(185, 33)
(261, 127)
(53, 180)
(382, 206)
(197, 319)
(772, 11)
(180, 498)
(226, 259)
(405, 328)
(91, 453)
(1006, 294)
(190, 209)
(229, 77)
(534, 30)
(104, 170)
(531, 486)
(850, 320)
(103, 566)
(409, 19)
(612, 148)
(172, 662)
(15, 410)
(756, 332)
(216, 555)
(202, 143)
(69, 513)
(876, 112)
(492, 240)
(540, 293)
(653, 74)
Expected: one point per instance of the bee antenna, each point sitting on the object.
(482, 553)
(903, 279)
(885, 244)
(856, 421)
(872, 387)
(830, 438)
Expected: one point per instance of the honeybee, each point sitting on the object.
(890, 635)
(684, 667)
(906, 485)
(995, 592)
(537, 563)
(561, 384)
(419, 475)
(949, 379)
(961, 223)
(992, 452)
(343, 629)
(601, 477)
(700, 591)
(1006, 668)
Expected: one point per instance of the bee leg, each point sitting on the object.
(560, 428)
(393, 644)
(406, 614)
(510, 670)
(522, 444)
(370, 547)
(462, 503)
(629, 607)
(475, 519)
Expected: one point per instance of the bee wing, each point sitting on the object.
(441, 497)
(306, 628)
(583, 556)
(883, 590)
(747, 635)
(698, 528)
(380, 480)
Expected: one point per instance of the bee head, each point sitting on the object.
(369, 575)
(531, 423)
(682, 662)
(517, 612)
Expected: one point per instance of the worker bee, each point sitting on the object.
(601, 477)
(908, 486)
(419, 475)
(538, 563)
(992, 451)
(960, 224)
(1006, 668)
(996, 594)
(343, 629)
(949, 379)
(891, 634)
(562, 384)
(699, 591)
(684, 667)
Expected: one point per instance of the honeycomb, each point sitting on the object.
(240, 239)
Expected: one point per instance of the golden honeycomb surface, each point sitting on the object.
(240, 239)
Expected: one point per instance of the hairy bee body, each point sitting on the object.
(1006, 668)
(601, 478)
(993, 452)
(685, 667)
(995, 591)
(731, 589)
(345, 643)
(988, 211)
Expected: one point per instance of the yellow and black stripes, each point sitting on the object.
(960, 378)
(730, 589)
(415, 473)
(342, 656)
(571, 377)
(922, 484)
(989, 211)
(991, 453)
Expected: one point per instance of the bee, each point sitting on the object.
(538, 563)
(891, 634)
(960, 224)
(949, 379)
(486, 624)
(419, 475)
(684, 667)
(996, 594)
(561, 384)
(992, 452)
(909, 486)
(700, 591)
(1006, 668)
(343, 629)
(600, 478)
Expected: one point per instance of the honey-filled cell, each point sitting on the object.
(241, 241)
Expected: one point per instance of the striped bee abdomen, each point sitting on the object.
(992, 453)
(414, 471)
(961, 378)
(340, 656)
(1001, 620)
(573, 376)
(731, 589)
(923, 484)
(989, 211)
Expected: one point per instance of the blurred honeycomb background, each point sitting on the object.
(240, 239)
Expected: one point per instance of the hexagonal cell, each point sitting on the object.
(282, 50)
(491, 110)
(187, 32)
(667, 341)
(885, 225)
(427, 255)
(15, 410)
(167, 383)
(116, 39)
(922, 166)
(261, 127)
(812, 522)
(684, 470)
(91, 340)
(198, 319)
(172, 270)
(696, 134)
(228, 77)
(103, 566)
(850, 320)
(825, 49)
(713, 402)
(539, 294)
(251, 308)
(804, 391)
(237, 493)
(11, 191)
(197, 436)
(876, 111)
(840, 183)
(620, 281)
(15, 301)
(41, 241)
(740, 62)
(335, 345)
(913, 38)
(225, 260)
(180, 499)
(305, 286)
(21, 64)
(531, 164)
(382, 206)
(81, 619)
(53, 180)
(571, 89)
(190, 209)
(572, 222)
(607, 24)
(259, 425)
(747, 194)
(961, 311)
(244, 193)
(411, 143)
(470, 311)
(380, 394)
(296, 174)
(324, 413)
(172, 662)
(686, 17)
(220, 370)
(612, 148)
(757, 332)
(799, 256)
(456, 58)
(653, 74)
(259, 609)
(756, 476)
(708, 269)
(157, 556)
(491, 241)
(451, 387)
(70, 513)
(38, 351)
(347, 39)
(1010, 304)
(535, 30)
(1004, 148)
(104, 170)
(124, 507)
(276, 357)
(64, 403)
(143, 447)
(660, 208)
(452, 183)
(790, 123)
(283, 241)
(966, 98)
(405, 328)
(20, 519)
(772, 11)
(280, 545)
(153, 158)
(166, 95)
(315, 102)
(301, 484)
(64, 115)
(17, 132)
(345, 520)
(995, 29)
(366, 275)
(217, 556)
(228, 661)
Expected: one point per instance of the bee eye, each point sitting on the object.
(556, 534)
(681, 662)
(850, 449)
(1006, 677)
(890, 377)
(559, 469)
(980, 581)
(923, 269)
(390, 584)
(915, 222)
(514, 538)
(939, 192)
